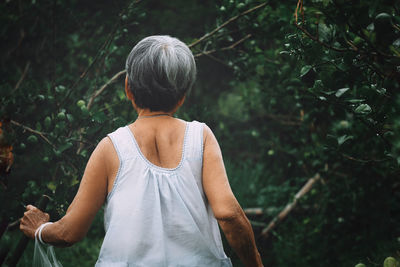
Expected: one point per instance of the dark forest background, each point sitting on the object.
(303, 97)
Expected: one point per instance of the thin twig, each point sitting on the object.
(315, 38)
(13, 225)
(79, 140)
(102, 88)
(297, 10)
(207, 35)
(290, 206)
(362, 160)
(253, 211)
(362, 34)
(285, 119)
(108, 41)
(319, 41)
(22, 76)
(98, 55)
(117, 75)
(91, 100)
(41, 134)
(232, 46)
(219, 60)
(355, 48)
(204, 37)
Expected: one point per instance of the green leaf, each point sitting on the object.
(363, 109)
(64, 147)
(343, 138)
(341, 91)
(70, 118)
(328, 92)
(260, 70)
(324, 32)
(305, 69)
(74, 181)
(60, 88)
(326, 2)
(52, 186)
(99, 117)
(355, 101)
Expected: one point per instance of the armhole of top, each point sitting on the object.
(114, 142)
(202, 141)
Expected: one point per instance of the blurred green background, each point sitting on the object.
(287, 97)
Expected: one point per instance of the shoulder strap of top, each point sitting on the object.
(194, 143)
(123, 142)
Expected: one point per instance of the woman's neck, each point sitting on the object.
(143, 113)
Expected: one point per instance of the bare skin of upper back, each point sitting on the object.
(160, 139)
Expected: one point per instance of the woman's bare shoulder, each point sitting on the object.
(107, 154)
(105, 146)
(208, 136)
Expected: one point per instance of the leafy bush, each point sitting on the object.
(286, 97)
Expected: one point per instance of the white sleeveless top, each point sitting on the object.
(156, 216)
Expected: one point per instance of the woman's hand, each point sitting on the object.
(33, 218)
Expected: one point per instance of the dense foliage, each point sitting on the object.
(287, 96)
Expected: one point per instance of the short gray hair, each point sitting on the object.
(161, 70)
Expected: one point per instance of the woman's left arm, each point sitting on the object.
(90, 197)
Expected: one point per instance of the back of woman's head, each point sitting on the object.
(160, 69)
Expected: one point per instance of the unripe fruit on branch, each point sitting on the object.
(391, 262)
(47, 122)
(80, 103)
(61, 116)
(84, 110)
(32, 139)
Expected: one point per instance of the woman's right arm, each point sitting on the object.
(90, 197)
(227, 211)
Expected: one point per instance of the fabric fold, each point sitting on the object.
(158, 216)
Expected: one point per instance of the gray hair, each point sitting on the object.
(161, 70)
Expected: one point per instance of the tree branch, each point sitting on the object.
(232, 19)
(204, 37)
(286, 119)
(41, 134)
(361, 34)
(218, 60)
(232, 46)
(362, 160)
(102, 88)
(319, 41)
(22, 76)
(108, 41)
(290, 206)
(98, 55)
(253, 211)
